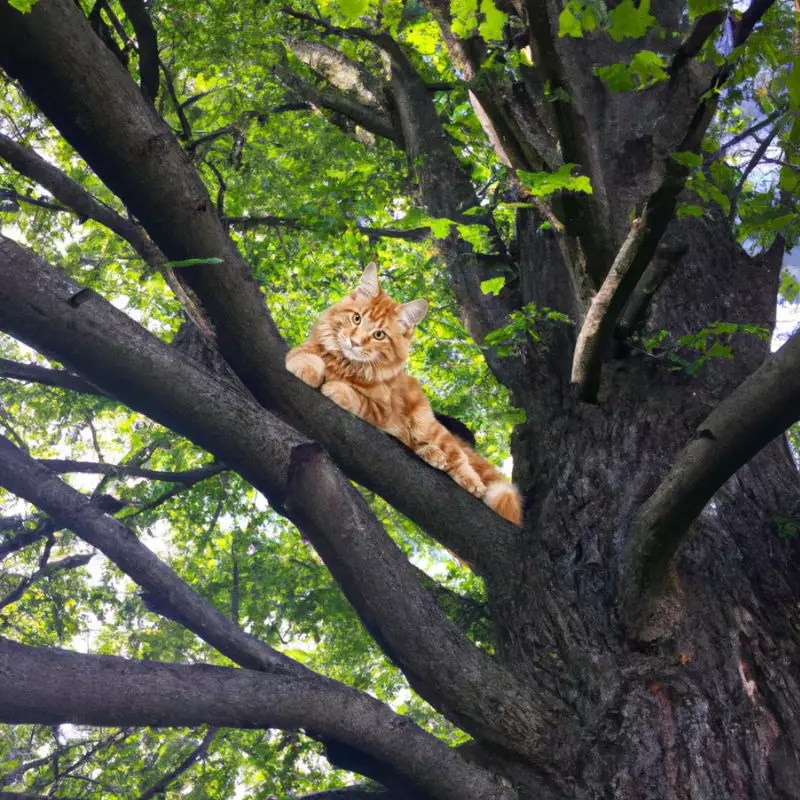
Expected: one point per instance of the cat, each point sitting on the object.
(357, 353)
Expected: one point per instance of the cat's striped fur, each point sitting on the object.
(357, 354)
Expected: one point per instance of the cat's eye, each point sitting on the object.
(356, 318)
(379, 334)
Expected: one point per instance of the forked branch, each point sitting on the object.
(763, 406)
(662, 202)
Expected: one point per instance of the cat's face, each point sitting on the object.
(368, 327)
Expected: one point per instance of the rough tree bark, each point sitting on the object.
(584, 697)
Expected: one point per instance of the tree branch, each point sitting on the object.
(255, 221)
(10, 194)
(601, 318)
(763, 406)
(751, 165)
(702, 29)
(271, 221)
(357, 792)
(372, 119)
(48, 686)
(147, 41)
(342, 72)
(45, 570)
(198, 753)
(118, 470)
(68, 508)
(192, 146)
(180, 108)
(745, 134)
(76, 198)
(33, 373)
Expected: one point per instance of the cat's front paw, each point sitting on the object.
(342, 395)
(306, 366)
(468, 479)
(433, 455)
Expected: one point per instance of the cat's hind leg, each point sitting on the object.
(436, 445)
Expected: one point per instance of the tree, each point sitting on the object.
(603, 194)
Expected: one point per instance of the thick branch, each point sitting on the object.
(372, 119)
(47, 686)
(415, 638)
(199, 752)
(761, 408)
(341, 71)
(702, 29)
(358, 792)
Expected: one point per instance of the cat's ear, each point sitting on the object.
(369, 286)
(411, 314)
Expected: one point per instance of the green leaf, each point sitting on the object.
(22, 5)
(687, 159)
(617, 77)
(494, 20)
(477, 235)
(649, 67)
(589, 20)
(569, 24)
(789, 288)
(646, 67)
(465, 17)
(493, 285)
(719, 350)
(193, 262)
(629, 21)
(543, 184)
(353, 9)
(699, 7)
(441, 227)
(687, 210)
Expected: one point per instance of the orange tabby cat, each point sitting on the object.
(357, 352)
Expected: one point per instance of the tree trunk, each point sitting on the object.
(706, 708)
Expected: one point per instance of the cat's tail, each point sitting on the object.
(504, 499)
